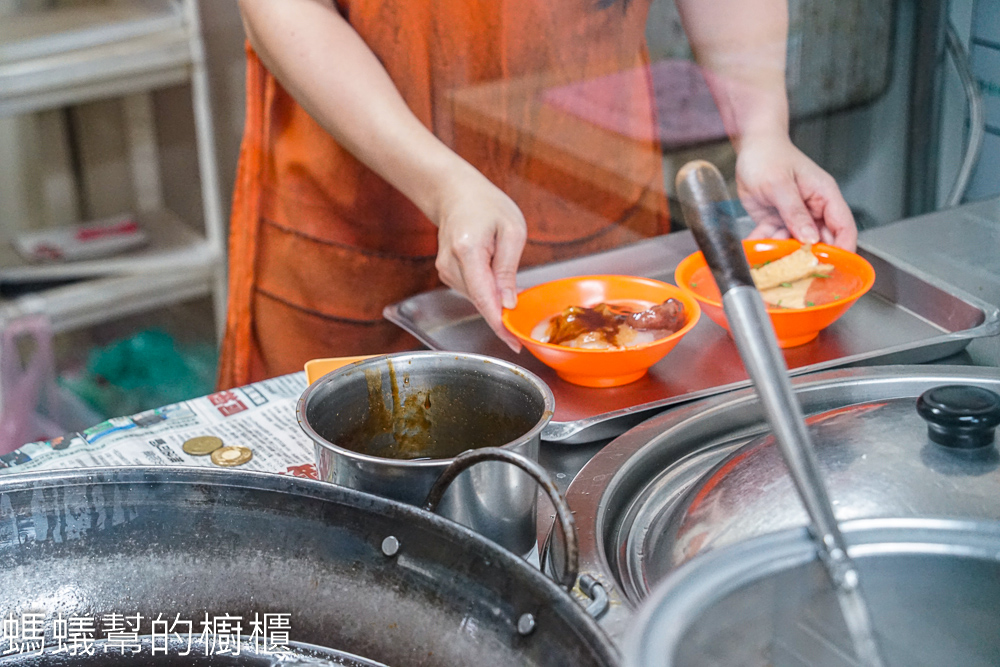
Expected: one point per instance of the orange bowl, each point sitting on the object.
(793, 326)
(596, 368)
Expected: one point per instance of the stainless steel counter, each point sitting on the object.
(960, 246)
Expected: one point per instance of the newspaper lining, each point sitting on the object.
(260, 416)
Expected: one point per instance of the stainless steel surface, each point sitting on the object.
(961, 246)
(627, 496)
(924, 126)
(761, 355)
(171, 541)
(598, 596)
(702, 192)
(908, 317)
(977, 116)
(465, 460)
(390, 546)
(877, 460)
(178, 651)
(456, 392)
(934, 588)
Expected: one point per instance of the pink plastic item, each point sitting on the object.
(22, 387)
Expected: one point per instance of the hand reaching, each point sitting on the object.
(787, 194)
(481, 234)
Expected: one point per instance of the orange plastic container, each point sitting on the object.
(793, 326)
(596, 368)
(317, 368)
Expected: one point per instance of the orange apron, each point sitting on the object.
(320, 244)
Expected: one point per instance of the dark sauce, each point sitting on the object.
(607, 320)
(440, 422)
(577, 320)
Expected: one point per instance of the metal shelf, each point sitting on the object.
(65, 56)
(35, 34)
(172, 245)
(95, 301)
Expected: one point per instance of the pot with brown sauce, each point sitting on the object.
(391, 424)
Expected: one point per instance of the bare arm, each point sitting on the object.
(326, 66)
(741, 46)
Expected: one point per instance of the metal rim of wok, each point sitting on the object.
(470, 564)
(193, 653)
(644, 475)
(301, 407)
(679, 605)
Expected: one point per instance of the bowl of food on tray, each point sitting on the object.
(602, 331)
(806, 288)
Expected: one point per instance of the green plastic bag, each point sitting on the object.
(145, 371)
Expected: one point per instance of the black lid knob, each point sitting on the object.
(960, 415)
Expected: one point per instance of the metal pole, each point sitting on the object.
(923, 136)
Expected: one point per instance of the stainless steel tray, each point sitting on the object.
(908, 317)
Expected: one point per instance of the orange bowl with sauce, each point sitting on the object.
(597, 367)
(830, 297)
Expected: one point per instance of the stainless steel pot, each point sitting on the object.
(428, 407)
(707, 475)
(933, 587)
(353, 572)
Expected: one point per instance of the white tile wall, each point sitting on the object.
(985, 56)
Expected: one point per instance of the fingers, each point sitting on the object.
(482, 290)
(840, 221)
(782, 188)
(768, 231)
(787, 199)
(769, 223)
(509, 246)
(465, 266)
(481, 234)
(828, 207)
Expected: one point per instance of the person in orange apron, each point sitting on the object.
(392, 145)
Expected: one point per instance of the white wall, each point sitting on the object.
(954, 109)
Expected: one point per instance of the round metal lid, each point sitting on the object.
(708, 474)
(876, 459)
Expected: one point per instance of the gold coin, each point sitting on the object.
(233, 455)
(203, 444)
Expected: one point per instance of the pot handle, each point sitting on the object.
(471, 457)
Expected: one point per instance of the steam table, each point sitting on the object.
(960, 246)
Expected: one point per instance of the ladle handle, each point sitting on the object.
(702, 190)
(465, 460)
(705, 205)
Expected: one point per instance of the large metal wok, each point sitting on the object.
(354, 572)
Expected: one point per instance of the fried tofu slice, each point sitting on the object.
(796, 266)
(789, 295)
